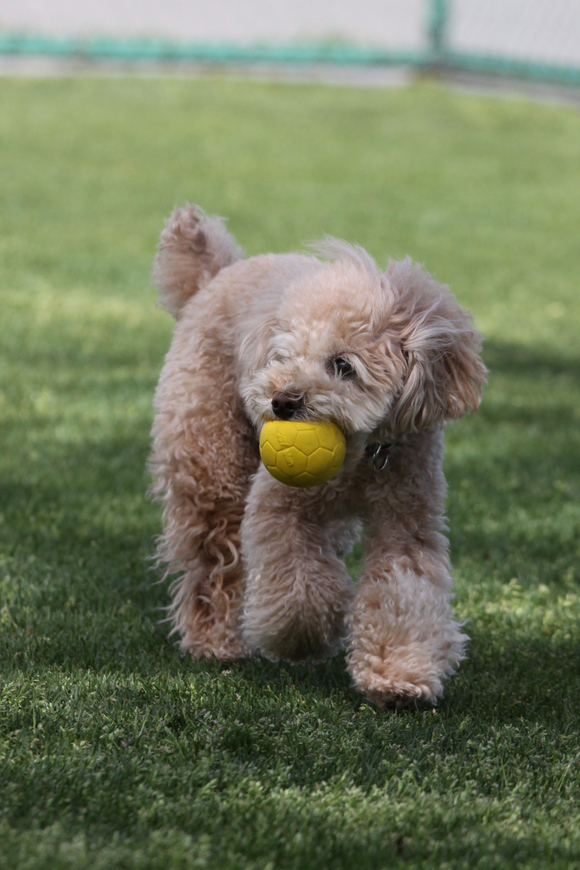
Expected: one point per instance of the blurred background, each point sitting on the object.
(537, 40)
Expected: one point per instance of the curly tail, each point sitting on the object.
(192, 250)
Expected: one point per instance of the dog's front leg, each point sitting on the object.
(297, 588)
(403, 638)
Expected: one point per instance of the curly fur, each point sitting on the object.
(260, 564)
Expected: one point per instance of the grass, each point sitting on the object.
(113, 751)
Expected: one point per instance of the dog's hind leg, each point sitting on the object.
(204, 453)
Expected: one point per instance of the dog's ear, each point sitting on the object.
(444, 374)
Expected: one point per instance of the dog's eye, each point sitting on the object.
(341, 368)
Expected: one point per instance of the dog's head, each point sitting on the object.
(369, 350)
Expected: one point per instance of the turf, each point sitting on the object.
(114, 752)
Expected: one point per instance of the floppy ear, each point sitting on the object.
(444, 374)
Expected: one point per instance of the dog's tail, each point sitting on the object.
(192, 250)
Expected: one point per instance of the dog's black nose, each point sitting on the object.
(285, 406)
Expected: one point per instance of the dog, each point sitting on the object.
(390, 357)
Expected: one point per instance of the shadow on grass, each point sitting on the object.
(530, 363)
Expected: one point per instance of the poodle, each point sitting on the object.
(389, 357)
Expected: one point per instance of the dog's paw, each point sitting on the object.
(404, 641)
(397, 677)
(395, 691)
(222, 649)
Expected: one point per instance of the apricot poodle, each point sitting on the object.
(390, 357)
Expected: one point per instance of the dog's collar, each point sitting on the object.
(379, 454)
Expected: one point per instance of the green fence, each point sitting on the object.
(438, 54)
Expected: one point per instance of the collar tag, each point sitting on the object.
(379, 454)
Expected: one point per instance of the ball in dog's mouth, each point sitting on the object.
(302, 452)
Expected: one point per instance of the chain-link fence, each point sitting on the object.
(528, 38)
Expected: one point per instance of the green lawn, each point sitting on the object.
(114, 752)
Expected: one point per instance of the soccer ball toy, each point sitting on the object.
(302, 453)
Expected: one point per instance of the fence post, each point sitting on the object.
(438, 18)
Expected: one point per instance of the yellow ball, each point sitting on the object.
(301, 453)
